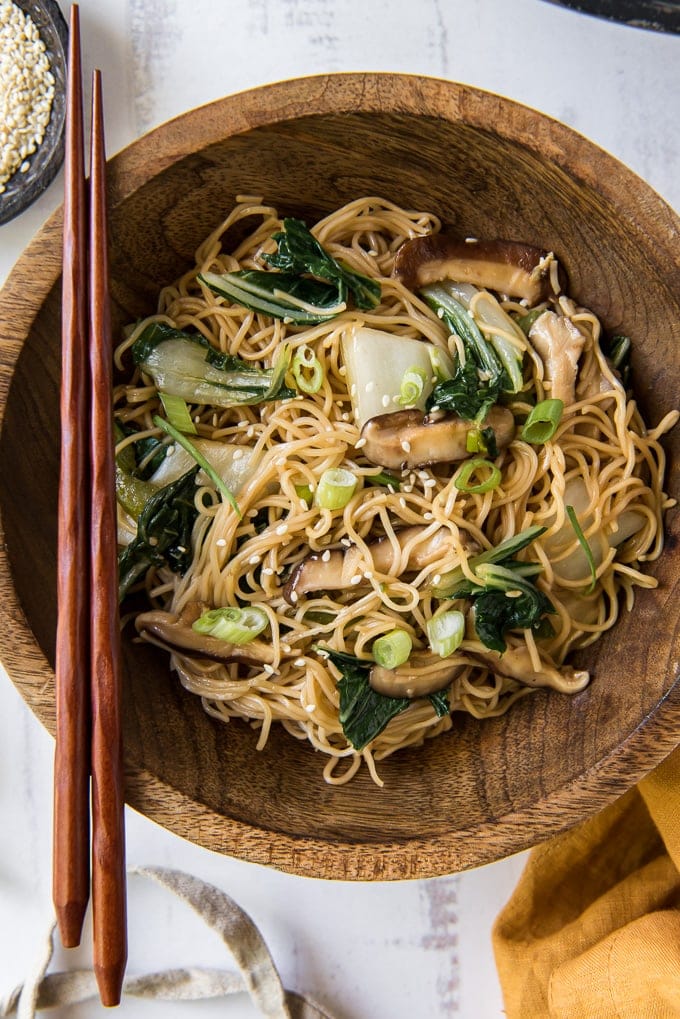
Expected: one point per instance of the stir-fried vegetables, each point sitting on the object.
(310, 287)
(185, 365)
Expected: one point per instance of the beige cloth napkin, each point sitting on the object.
(592, 930)
(257, 975)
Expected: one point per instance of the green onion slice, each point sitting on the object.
(307, 370)
(542, 422)
(585, 545)
(392, 649)
(233, 625)
(335, 489)
(170, 429)
(478, 466)
(445, 632)
(412, 386)
(177, 413)
(304, 492)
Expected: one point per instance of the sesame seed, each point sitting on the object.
(268, 571)
(237, 454)
(360, 443)
(402, 502)
(254, 560)
(309, 708)
(286, 648)
(368, 574)
(369, 387)
(406, 446)
(282, 528)
(299, 663)
(428, 516)
(346, 542)
(356, 579)
(269, 670)
(437, 579)
(386, 400)
(294, 597)
(221, 542)
(326, 555)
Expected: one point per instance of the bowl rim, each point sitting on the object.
(653, 738)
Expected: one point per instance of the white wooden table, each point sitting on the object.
(365, 951)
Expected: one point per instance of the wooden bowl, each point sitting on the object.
(490, 168)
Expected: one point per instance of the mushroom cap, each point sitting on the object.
(507, 267)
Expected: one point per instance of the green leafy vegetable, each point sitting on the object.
(465, 394)
(458, 319)
(163, 533)
(185, 365)
(300, 252)
(505, 600)
(503, 595)
(385, 479)
(618, 349)
(364, 712)
(219, 484)
(295, 299)
(585, 545)
(440, 702)
(506, 551)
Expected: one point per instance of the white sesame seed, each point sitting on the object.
(368, 574)
(269, 670)
(437, 579)
(282, 528)
(428, 516)
(325, 556)
(346, 542)
(254, 560)
(286, 648)
(402, 502)
(360, 443)
(293, 597)
(221, 543)
(237, 454)
(299, 663)
(268, 571)
(369, 387)
(309, 708)
(406, 446)
(356, 579)
(386, 400)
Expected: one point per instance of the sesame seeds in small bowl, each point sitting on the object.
(33, 47)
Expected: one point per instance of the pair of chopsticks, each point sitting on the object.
(88, 773)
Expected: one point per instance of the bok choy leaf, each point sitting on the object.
(163, 533)
(300, 252)
(310, 285)
(185, 365)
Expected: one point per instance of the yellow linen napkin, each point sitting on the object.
(592, 930)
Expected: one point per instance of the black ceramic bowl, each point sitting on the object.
(22, 189)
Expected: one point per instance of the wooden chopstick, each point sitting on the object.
(88, 684)
(108, 834)
(71, 849)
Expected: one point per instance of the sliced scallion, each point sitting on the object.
(159, 422)
(233, 625)
(335, 488)
(392, 649)
(542, 422)
(585, 545)
(412, 386)
(445, 632)
(307, 370)
(177, 413)
(464, 479)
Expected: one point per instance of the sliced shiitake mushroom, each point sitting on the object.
(174, 632)
(508, 267)
(408, 438)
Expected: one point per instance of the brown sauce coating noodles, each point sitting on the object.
(602, 445)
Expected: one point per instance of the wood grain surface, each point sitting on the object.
(489, 168)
